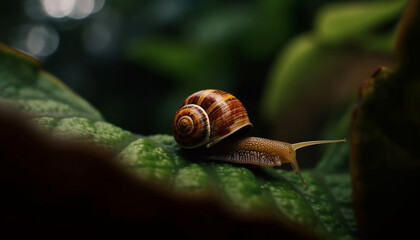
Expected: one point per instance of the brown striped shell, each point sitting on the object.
(208, 116)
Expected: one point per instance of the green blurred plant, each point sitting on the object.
(324, 66)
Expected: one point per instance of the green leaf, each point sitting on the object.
(345, 21)
(312, 60)
(321, 209)
(303, 61)
(102, 133)
(24, 85)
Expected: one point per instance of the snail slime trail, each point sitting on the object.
(209, 116)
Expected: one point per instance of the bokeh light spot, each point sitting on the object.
(76, 9)
(82, 9)
(58, 8)
(42, 41)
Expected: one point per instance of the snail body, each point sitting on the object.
(211, 116)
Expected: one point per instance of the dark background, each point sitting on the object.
(135, 61)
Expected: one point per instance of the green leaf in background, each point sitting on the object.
(341, 22)
(304, 59)
(321, 209)
(316, 64)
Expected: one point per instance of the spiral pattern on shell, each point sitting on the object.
(191, 126)
(208, 116)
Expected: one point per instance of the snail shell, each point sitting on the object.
(208, 116)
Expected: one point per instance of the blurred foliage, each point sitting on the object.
(158, 52)
(320, 69)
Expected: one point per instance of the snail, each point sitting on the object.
(216, 122)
